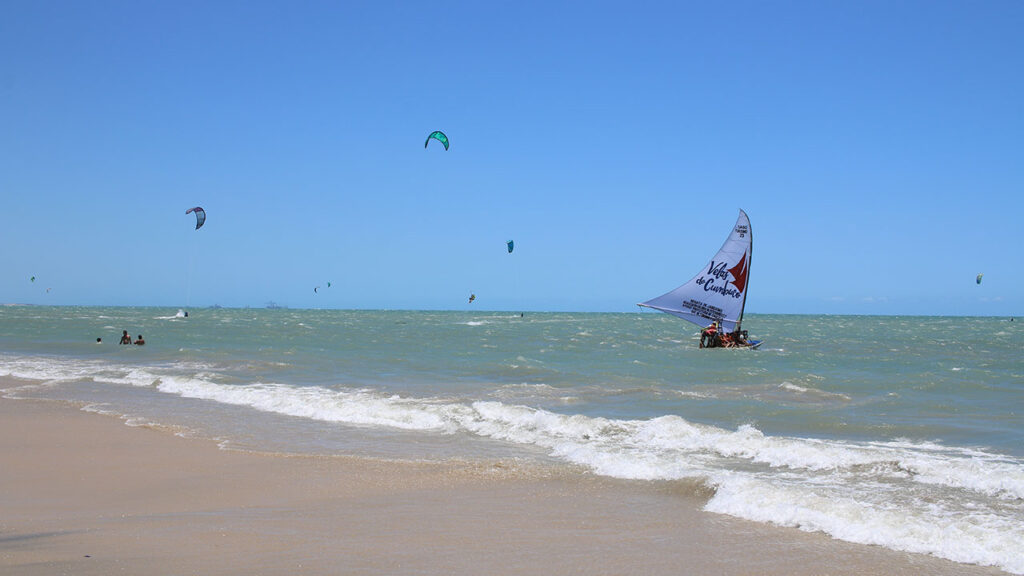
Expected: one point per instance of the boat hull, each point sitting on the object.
(710, 338)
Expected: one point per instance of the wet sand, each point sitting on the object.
(83, 493)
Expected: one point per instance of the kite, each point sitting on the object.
(200, 216)
(316, 290)
(471, 298)
(510, 245)
(439, 136)
(978, 279)
(32, 279)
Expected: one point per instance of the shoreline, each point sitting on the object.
(84, 493)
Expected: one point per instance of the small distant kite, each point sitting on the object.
(439, 136)
(510, 245)
(32, 279)
(200, 216)
(316, 290)
(978, 279)
(471, 298)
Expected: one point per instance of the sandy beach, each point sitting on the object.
(84, 493)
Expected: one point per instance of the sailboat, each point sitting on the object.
(714, 299)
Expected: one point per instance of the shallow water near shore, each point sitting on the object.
(904, 432)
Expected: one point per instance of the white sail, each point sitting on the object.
(719, 291)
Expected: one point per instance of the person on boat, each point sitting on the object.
(736, 339)
(709, 337)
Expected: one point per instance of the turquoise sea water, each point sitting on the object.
(900, 431)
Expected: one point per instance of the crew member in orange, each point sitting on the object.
(708, 336)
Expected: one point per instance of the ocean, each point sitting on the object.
(904, 432)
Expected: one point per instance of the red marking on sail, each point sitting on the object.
(739, 274)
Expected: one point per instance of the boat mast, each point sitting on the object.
(750, 260)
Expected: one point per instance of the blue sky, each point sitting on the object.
(876, 146)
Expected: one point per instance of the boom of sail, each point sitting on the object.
(718, 293)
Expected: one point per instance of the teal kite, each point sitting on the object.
(439, 136)
(510, 245)
(978, 279)
(200, 216)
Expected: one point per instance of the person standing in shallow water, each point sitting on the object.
(140, 341)
(125, 338)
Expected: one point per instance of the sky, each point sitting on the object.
(876, 146)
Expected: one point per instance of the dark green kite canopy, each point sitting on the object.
(200, 215)
(439, 136)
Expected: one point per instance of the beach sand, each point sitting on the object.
(83, 493)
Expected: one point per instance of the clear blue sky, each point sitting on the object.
(878, 148)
